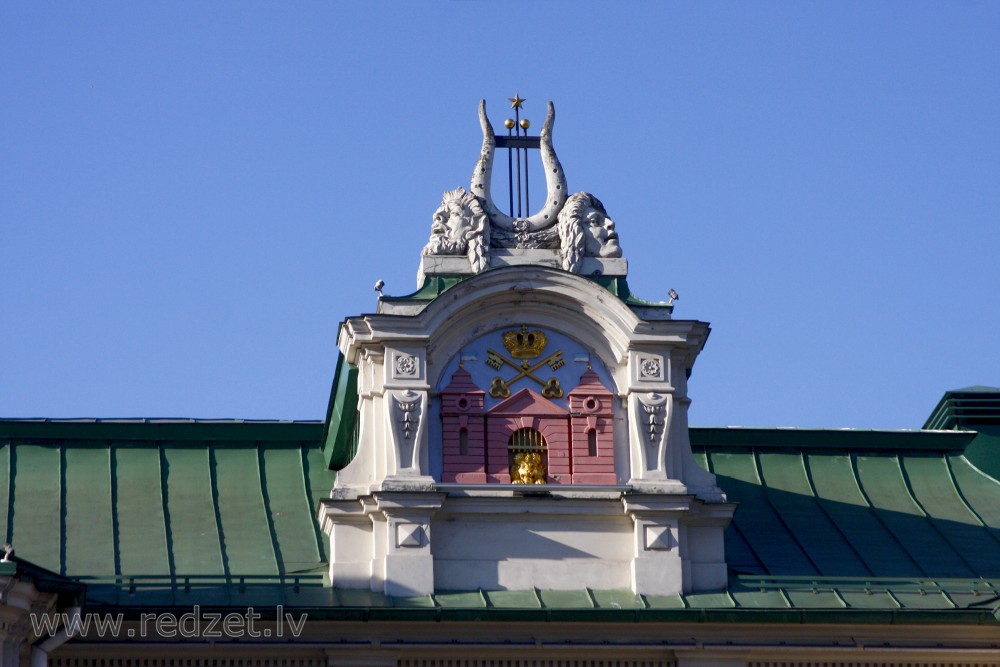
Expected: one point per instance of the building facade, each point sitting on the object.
(506, 476)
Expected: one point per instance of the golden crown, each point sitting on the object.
(524, 344)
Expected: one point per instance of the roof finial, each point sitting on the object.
(517, 142)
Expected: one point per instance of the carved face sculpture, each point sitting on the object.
(451, 221)
(585, 230)
(457, 224)
(600, 237)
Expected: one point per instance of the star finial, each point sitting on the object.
(516, 101)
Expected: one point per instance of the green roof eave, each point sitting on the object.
(153, 430)
(435, 285)
(806, 439)
(69, 590)
(340, 432)
(784, 616)
(431, 612)
(750, 598)
(619, 287)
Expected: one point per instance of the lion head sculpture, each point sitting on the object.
(460, 227)
(585, 230)
(528, 468)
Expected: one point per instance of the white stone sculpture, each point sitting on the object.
(585, 230)
(570, 228)
(407, 410)
(652, 413)
(460, 227)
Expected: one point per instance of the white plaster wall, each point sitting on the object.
(351, 554)
(706, 557)
(518, 552)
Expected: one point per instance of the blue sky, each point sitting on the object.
(194, 195)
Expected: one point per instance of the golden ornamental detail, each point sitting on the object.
(524, 344)
(528, 468)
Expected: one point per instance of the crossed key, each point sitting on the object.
(500, 388)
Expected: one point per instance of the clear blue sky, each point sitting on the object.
(194, 195)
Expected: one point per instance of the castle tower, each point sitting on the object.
(520, 421)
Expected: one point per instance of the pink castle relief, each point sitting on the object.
(479, 446)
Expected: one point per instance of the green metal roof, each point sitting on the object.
(966, 408)
(167, 498)
(830, 439)
(340, 434)
(973, 408)
(855, 510)
(832, 525)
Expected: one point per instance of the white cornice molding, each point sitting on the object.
(503, 297)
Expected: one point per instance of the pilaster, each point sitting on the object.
(657, 566)
(350, 531)
(406, 408)
(403, 525)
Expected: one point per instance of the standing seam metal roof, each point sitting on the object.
(220, 499)
(170, 513)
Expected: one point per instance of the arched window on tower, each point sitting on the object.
(528, 457)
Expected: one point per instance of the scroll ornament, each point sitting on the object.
(407, 411)
(653, 416)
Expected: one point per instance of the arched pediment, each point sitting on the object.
(546, 297)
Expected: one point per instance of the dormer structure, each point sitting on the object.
(504, 477)
(522, 418)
